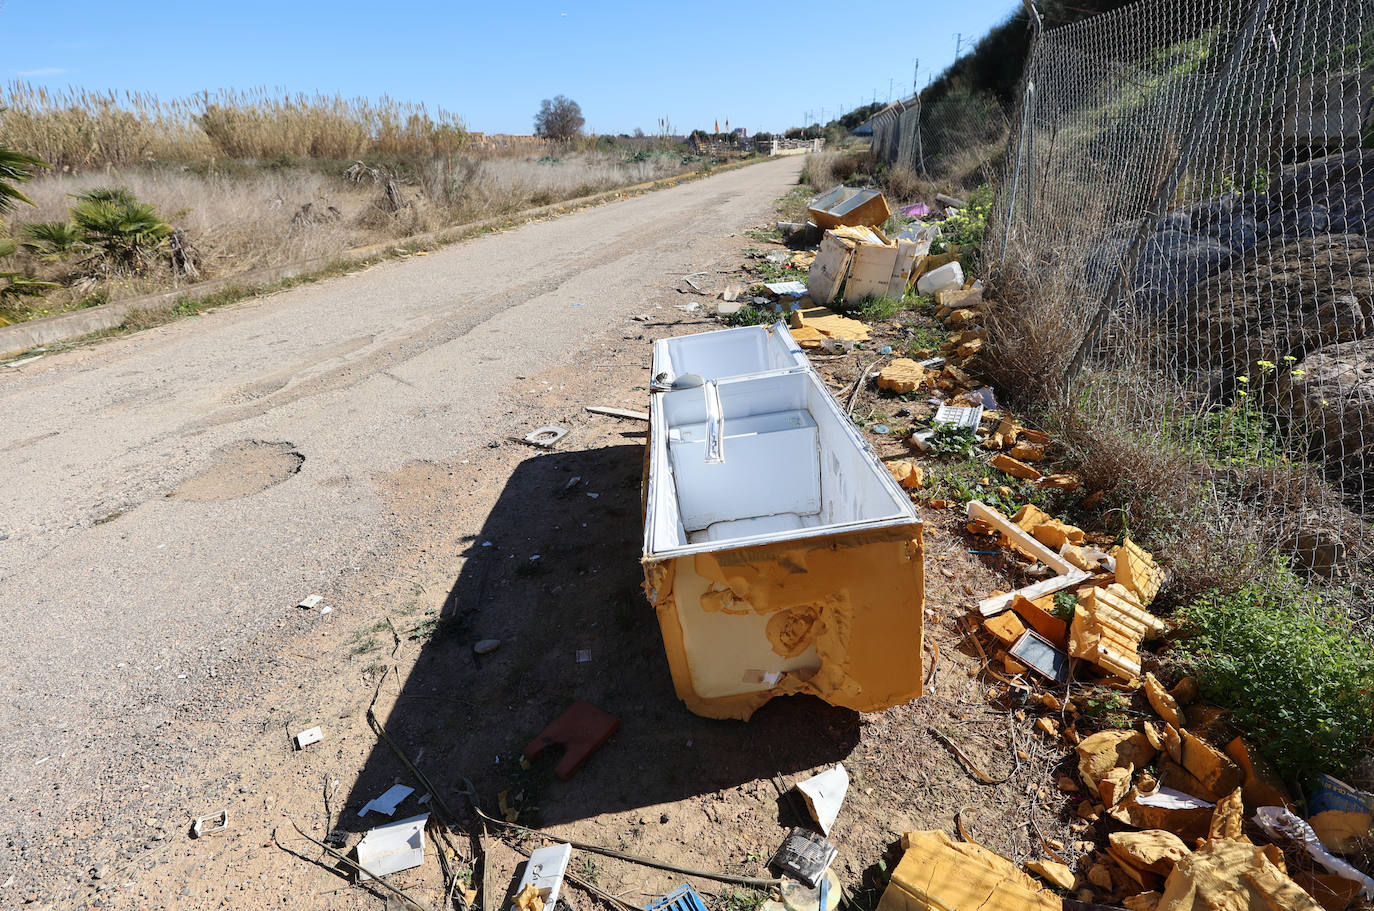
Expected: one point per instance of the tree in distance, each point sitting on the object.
(559, 119)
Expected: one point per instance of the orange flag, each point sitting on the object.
(717, 126)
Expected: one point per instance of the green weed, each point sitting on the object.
(742, 899)
(1299, 677)
(750, 315)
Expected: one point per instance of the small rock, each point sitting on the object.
(486, 646)
(663, 817)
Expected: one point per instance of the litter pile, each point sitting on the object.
(1194, 818)
(856, 261)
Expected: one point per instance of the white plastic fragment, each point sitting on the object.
(1170, 799)
(965, 416)
(943, 278)
(310, 601)
(386, 804)
(1278, 823)
(824, 794)
(308, 736)
(544, 870)
(1068, 574)
(393, 847)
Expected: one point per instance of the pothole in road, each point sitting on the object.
(241, 469)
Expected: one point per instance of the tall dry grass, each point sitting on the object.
(251, 217)
(76, 129)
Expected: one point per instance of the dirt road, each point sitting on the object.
(169, 497)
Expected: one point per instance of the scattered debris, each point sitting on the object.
(1068, 574)
(625, 413)
(543, 877)
(1107, 629)
(393, 847)
(308, 736)
(968, 417)
(824, 794)
(948, 277)
(310, 601)
(1285, 825)
(386, 804)
(786, 289)
(580, 730)
(546, 437)
(939, 874)
(683, 898)
(903, 375)
(1040, 655)
(804, 856)
(907, 474)
(848, 206)
(1224, 873)
(212, 824)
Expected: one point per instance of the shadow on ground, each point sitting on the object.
(472, 715)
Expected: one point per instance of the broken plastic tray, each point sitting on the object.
(683, 898)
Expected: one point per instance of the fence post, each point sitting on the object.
(1167, 187)
(1022, 135)
(920, 152)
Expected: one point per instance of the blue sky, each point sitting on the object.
(762, 65)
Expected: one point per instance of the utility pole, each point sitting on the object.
(958, 43)
(915, 75)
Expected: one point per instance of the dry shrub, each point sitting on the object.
(817, 169)
(269, 216)
(903, 184)
(1034, 326)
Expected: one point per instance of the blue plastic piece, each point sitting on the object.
(683, 898)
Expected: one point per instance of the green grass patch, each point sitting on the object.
(964, 479)
(750, 315)
(1296, 674)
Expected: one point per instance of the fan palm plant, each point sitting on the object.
(16, 284)
(127, 231)
(15, 168)
(53, 240)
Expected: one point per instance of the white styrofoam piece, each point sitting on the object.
(310, 601)
(388, 801)
(393, 847)
(824, 794)
(1068, 574)
(545, 870)
(309, 736)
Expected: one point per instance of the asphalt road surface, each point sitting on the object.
(166, 496)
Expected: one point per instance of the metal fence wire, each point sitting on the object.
(961, 135)
(1185, 204)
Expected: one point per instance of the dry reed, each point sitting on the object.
(76, 129)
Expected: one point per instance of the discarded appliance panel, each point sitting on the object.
(780, 556)
(848, 206)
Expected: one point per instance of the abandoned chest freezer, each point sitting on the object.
(779, 554)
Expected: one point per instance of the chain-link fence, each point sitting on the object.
(960, 138)
(1184, 271)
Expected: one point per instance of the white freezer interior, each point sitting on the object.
(727, 352)
(793, 465)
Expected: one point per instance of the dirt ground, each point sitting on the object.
(540, 550)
